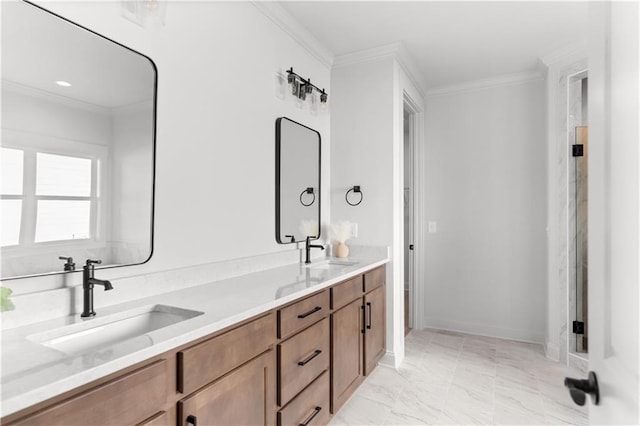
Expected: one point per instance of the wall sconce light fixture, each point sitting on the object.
(308, 191)
(356, 190)
(303, 88)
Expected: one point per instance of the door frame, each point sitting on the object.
(416, 272)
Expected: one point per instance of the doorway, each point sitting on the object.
(408, 217)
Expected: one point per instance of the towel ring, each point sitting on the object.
(355, 190)
(308, 191)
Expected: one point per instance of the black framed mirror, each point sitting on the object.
(297, 181)
(78, 146)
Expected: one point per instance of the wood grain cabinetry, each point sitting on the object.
(347, 356)
(303, 361)
(357, 333)
(292, 366)
(310, 407)
(374, 329)
(202, 363)
(127, 399)
(242, 397)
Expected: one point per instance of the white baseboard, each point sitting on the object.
(551, 351)
(485, 330)
(390, 360)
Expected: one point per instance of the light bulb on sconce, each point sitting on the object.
(314, 103)
(323, 100)
(302, 89)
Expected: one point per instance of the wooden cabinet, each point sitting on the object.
(127, 399)
(302, 314)
(357, 333)
(202, 363)
(242, 397)
(293, 366)
(238, 376)
(346, 342)
(374, 329)
(310, 407)
(301, 359)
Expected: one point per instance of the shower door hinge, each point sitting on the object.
(577, 150)
(578, 327)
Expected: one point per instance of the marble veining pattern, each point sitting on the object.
(565, 202)
(455, 378)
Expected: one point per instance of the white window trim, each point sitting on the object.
(33, 143)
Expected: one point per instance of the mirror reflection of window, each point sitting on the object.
(11, 195)
(53, 194)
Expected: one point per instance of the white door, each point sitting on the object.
(614, 217)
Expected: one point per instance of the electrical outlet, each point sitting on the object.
(354, 230)
(433, 227)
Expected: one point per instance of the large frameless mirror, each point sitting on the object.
(78, 146)
(297, 182)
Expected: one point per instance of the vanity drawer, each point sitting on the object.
(302, 314)
(374, 279)
(301, 359)
(206, 361)
(128, 399)
(309, 408)
(346, 292)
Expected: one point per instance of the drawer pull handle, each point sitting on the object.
(315, 413)
(364, 320)
(313, 311)
(310, 357)
(192, 420)
(370, 309)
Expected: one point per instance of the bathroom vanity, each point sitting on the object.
(292, 359)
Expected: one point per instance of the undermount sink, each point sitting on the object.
(331, 264)
(102, 332)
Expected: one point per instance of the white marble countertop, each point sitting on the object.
(32, 373)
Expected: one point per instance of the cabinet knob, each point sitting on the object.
(192, 420)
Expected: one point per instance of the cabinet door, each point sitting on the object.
(243, 397)
(374, 344)
(127, 399)
(347, 357)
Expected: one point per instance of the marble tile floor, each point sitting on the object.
(454, 378)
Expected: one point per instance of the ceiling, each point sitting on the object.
(450, 42)
(39, 49)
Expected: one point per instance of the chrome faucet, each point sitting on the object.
(308, 246)
(88, 281)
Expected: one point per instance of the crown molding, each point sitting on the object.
(295, 30)
(569, 53)
(21, 89)
(368, 55)
(397, 51)
(485, 83)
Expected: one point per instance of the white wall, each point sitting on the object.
(485, 186)
(367, 150)
(215, 181)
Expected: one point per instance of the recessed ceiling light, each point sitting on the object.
(63, 83)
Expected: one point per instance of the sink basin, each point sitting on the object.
(101, 332)
(332, 264)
